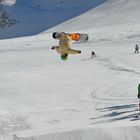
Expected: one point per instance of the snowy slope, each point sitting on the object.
(118, 16)
(109, 13)
(42, 97)
(35, 16)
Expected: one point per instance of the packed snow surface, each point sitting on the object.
(42, 96)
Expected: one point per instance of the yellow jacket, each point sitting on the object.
(64, 45)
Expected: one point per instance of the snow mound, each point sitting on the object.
(8, 2)
(115, 133)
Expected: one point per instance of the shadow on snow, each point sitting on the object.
(116, 113)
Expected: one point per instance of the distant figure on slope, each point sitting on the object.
(93, 54)
(139, 91)
(64, 46)
(136, 48)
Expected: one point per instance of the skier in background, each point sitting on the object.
(136, 48)
(93, 54)
(139, 98)
(139, 91)
(64, 46)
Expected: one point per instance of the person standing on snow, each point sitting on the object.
(136, 48)
(64, 46)
(139, 96)
(139, 91)
(93, 54)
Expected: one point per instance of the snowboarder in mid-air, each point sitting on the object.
(64, 45)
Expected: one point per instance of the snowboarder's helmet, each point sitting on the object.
(55, 35)
(64, 57)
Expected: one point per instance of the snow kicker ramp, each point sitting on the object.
(116, 133)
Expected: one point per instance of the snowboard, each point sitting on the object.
(83, 37)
